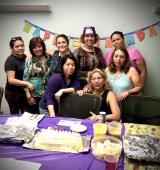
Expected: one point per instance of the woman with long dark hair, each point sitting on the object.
(58, 84)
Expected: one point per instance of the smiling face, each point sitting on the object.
(119, 58)
(68, 67)
(38, 50)
(62, 44)
(89, 39)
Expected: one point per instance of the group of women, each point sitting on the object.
(36, 84)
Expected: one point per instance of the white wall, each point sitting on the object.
(70, 16)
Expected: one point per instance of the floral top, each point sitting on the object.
(87, 61)
(37, 73)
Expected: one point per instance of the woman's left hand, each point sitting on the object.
(122, 95)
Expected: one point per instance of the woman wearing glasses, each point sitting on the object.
(97, 83)
(88, 56)
(14, 67)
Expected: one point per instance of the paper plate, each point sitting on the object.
(78, 128)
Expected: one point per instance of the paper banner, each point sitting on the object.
(108, 42)
(36, 33)
(54, 39)
(98, 44)
(130, 39)
(152, 31)
(76, 43)
(46, 35)
(140, 35)
(27, 27)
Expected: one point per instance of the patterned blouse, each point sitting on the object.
(37, 73)
(87, 61)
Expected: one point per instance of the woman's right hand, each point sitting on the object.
(80, 92)
(30, 86)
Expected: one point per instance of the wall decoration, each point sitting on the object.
(140, 35)
(129, 37)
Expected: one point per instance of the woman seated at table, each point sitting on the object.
(97, 83)
(58, 84)
(122, 77)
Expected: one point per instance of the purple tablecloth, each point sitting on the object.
(51, 160)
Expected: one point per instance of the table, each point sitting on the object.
(52, 160)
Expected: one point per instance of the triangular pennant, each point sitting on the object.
(140, 34)
(152, 31)
(36, 33)
(27, 27)
(130, 39)
(46, 35)
(98, 43)
(54, 39)
(108, 42)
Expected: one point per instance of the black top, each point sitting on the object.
(104, 106)
(16, 64)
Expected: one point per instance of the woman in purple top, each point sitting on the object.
(58, 84)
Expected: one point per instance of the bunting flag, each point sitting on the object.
(130, 39)
(152, 31)
(46, 35)
(54, 39)
(76, 43)
(108, 43)
(27, 27)
(36, 32)
(140, 35)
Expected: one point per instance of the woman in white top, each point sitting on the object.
(122, 77)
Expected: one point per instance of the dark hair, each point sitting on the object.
(63, 61)
(13, 39)
(125, 67)
(93, 32)
(35, 41)
(63, 36)
(96, 38)
(117, 32)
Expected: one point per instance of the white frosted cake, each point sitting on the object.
(57, 140)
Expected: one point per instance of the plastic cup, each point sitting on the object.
(111, 161)
(114, 129)
(99, 129)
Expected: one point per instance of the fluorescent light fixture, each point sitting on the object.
(157, 10)
(25, 8)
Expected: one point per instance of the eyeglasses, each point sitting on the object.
(16, 38)
(96, 78)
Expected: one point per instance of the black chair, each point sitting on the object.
(73, 105)
(141, 109)
(1, 96)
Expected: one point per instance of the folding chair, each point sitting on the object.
(141, 109)
(73, 105)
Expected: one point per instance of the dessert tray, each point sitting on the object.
(142, 147)
(59, 140)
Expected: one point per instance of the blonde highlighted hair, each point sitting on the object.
(89, 78)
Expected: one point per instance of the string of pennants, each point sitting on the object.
(129, 37)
